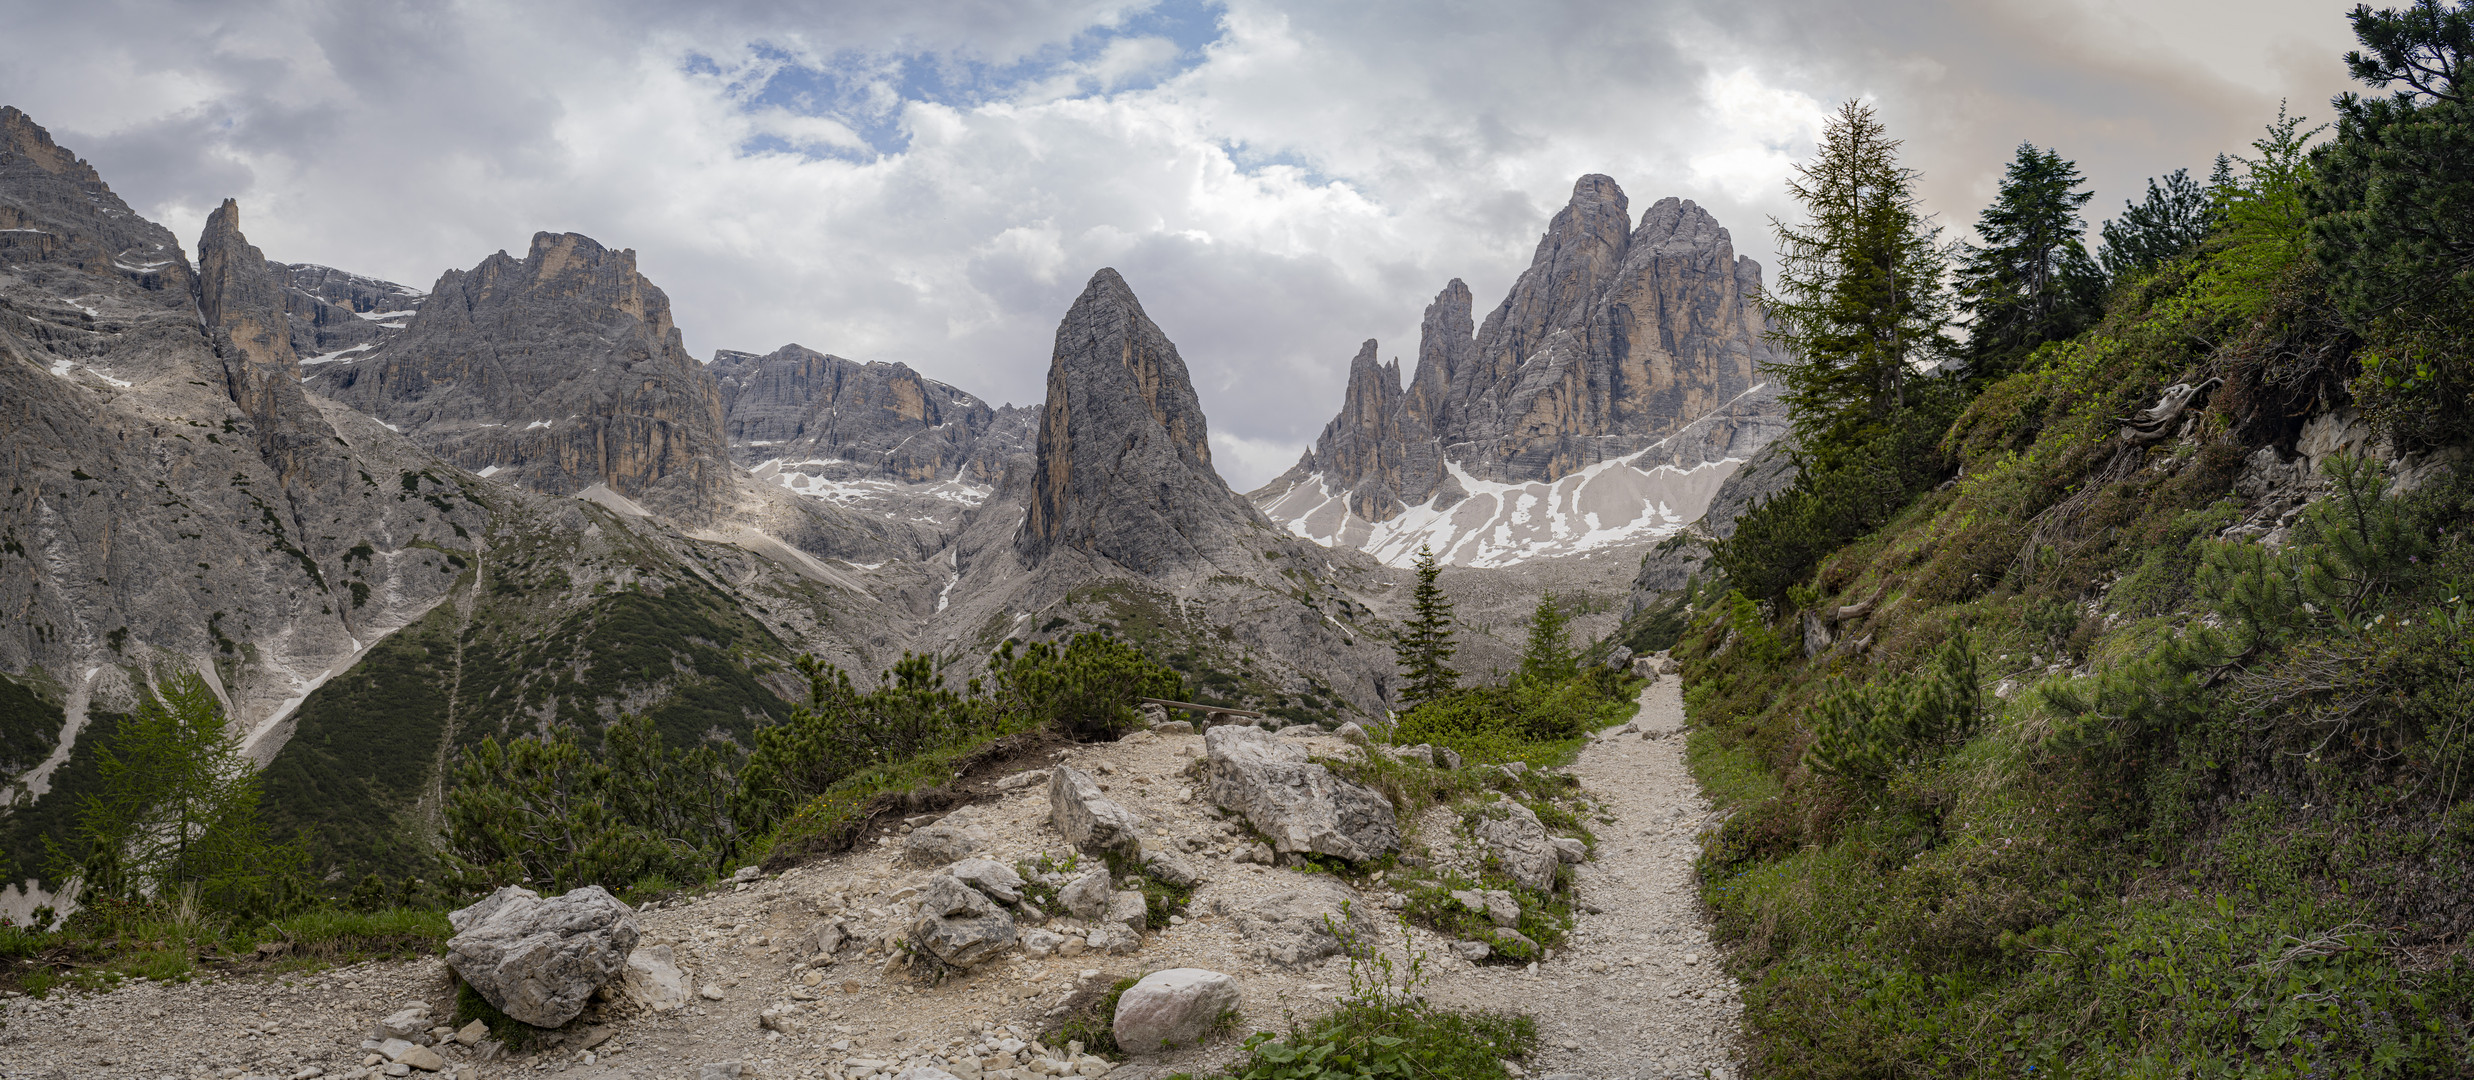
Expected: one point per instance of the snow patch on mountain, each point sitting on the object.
(1499, 524)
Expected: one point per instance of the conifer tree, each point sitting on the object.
(177, 808)
(2031, 280)
(1547, 658)
(1425, 644)
(2394, 224)
(2169, 223)
(1859, 299)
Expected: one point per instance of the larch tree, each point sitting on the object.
(1860, 301)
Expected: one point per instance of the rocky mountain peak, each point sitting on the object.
(1123, 458)
(239, 293)
(54, 208)
(1617, 338)
(22, 138)
(241, 302)
(558, 370)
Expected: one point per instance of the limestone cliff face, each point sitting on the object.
(242, 303)
(336, 315)
(557, 371)
(1123, 458)
(1610, 341)
(59, 220)
(173, 499)
(1617, 337)
(872, 420)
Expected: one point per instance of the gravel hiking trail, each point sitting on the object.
(1635, 993)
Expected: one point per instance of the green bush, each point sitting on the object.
(1087, 691)
(1870, 733)
(1385, 1029)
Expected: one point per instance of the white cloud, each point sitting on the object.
(1761, 133)
(933, 182)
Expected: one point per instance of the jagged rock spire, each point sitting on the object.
(1123, 467)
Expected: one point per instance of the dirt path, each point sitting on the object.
(1638, 993)
(1634, 994)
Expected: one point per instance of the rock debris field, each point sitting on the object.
(799, 975)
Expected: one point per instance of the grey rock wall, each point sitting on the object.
(558, 370)
(876, 419)
(173, 500)
(1123, 468)
(337, 313)
(1617, 337)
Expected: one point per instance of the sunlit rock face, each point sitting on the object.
(1603, 400)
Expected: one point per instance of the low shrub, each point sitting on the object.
(1386, 1030)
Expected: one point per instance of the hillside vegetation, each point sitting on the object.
(2132, 737)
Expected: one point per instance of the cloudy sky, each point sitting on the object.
(932, 181)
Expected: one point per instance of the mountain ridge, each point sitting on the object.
(1621, 347)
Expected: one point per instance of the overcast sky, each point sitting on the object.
(932, 182)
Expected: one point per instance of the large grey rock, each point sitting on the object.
(1089, 820)
(966, 940)
(1086, 897)
(1173, 1009)
(943, 896)
(959, 925)
(1514, 836)
(989, 876)
(1300, 924)
(540, 959)
(941, 844)
(1127, 909)
(1298, 805)
(1168, 868)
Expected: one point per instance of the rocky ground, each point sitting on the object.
(1635, 993)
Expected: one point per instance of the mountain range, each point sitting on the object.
(1602, 402)
(385, 523)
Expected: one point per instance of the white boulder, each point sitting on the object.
(1299, 805)
(1087, 819)
(653, 979)
(540, 960)
(1171, 1009)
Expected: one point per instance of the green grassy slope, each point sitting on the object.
(2201, 828)
(548, 626)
